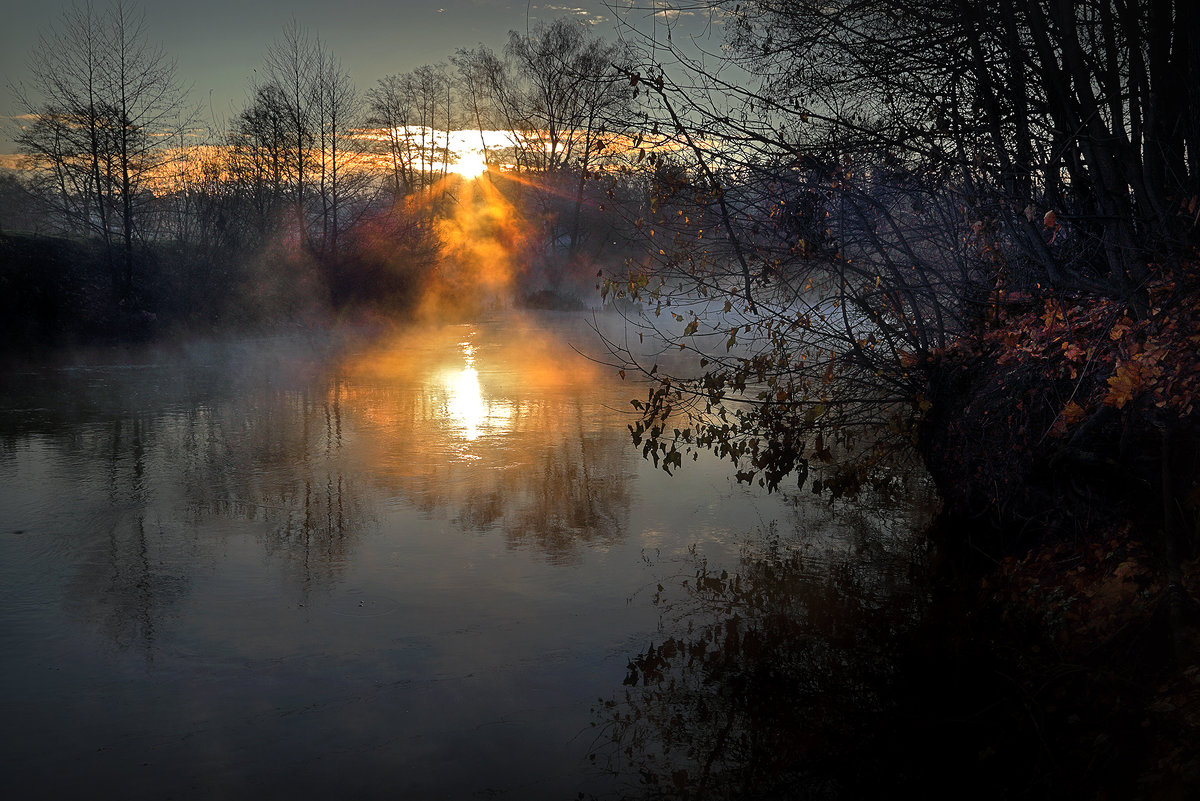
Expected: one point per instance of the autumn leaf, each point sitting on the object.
(1122, 385)
(1073, 353)
(1122, 327)
(1054, 313)
(821, 451)
(1130, 378)
(1071, 414)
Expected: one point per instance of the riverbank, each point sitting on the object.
(61, 292)
(1065, 442)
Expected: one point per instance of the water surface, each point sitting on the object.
(405, 566)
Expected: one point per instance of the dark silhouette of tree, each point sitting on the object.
(258, 158)
(290, 67)
(338, 111)
(564, 97)
(295, 140)
(869, 182)
(107, 113)
(415, 112)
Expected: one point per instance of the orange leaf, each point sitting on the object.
(1130, 378)
(1120, 329)
(1071, 414)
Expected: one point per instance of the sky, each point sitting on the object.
(218, 44)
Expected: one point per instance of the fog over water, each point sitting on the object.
(405, 566)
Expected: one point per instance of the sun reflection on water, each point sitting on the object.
(472, 413)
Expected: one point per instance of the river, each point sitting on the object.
(409, 565)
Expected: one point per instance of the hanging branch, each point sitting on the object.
(712, 180)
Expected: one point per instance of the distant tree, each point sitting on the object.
(107, 115)
(562, 84)
(492, 94)
(297, 130)
(389, 113)
(258, 155)
(414, 110)
(564, 96)
(338, 110)
(290, 68)
(472, 70)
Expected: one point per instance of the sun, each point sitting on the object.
(470, 164)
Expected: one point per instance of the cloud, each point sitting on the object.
(673, 13)
(12, 162)
(661, 9)
(588, 16)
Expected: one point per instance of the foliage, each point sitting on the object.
(862, 178)
(1069, 404)
(804, 344)
(791, 675)
(1112, 358)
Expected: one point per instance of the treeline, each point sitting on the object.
(314, 183)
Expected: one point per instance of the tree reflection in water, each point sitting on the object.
(164, 454)
(278, 460)
(495, 430)
(293, 544)
(306, 448)
(766, 682)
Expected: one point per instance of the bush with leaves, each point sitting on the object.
(867, 182)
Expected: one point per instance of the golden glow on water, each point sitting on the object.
(466, 404)
(470, 412)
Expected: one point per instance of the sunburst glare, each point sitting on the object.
(467, 407)
(470, 164)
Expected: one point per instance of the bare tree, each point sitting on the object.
(258, 156)
(415, 111)
(338, 110)
(495, 94)
(108, 114)
(560, 93)
(289, 66)
(309, 97)
(391, 113)
(562, 82)
(865, 178)
(472, 68)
